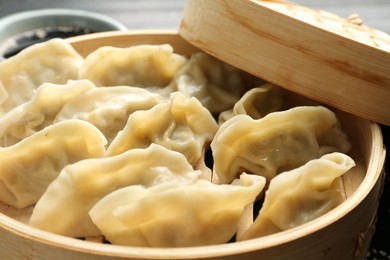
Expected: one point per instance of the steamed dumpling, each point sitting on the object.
(140, 66)
(79, 186)
(53, 61)
(256, 103)
(40, 111)
(277, 142)
(28, 167)
(301, 195)
(217, 85)
(173, 215)
(108, 108)
(181, 124)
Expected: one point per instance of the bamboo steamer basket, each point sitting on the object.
(343, 233)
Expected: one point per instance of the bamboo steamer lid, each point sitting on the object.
(339, 62)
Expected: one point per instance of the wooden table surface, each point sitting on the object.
(166, 14)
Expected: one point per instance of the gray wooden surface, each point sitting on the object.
(166, 14)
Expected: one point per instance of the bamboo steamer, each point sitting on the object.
(343, 233)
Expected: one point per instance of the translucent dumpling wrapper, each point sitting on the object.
(277, 142)
(40, 111)
(256, 103)
(81, 185)
(108, 108)
(217, 85)
(140, 66)
(28, 167)
(298, 196)
(181, 124)
(173, 215)
(53, 61)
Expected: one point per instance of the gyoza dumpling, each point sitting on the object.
(256, 103)
(53, 61)
(28, 167)
(39, 112)
(108, 108)
(277, 142)
(217, 85)
(301, 195)
(181, 124)
(173, 215)
(140, 66)
(64, 207)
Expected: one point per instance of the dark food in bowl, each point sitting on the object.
(28, 38)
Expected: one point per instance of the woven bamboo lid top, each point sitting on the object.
(339, 62)
(352, 27)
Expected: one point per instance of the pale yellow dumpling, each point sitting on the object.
(28, 167)
(139, 66)
(174, 215)
(79, 186)
(298, 196)
(181, 124)
(40, 111)
(217, 85)
(53, 61)
(277, 142)
(256, 103)
(108, 108)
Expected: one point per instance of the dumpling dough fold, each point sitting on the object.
(79, 186)
(217, 85)
(108, 108)
(277, 142)
(181, 124)
(256, 103)
(301, 195)
(54, 61)
(138, 66)
(174, 215)
(40, 111)
(28, 167)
